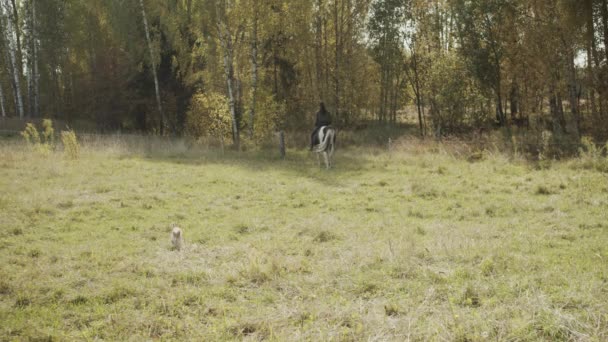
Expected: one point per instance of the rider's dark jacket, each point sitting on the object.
(323, 119)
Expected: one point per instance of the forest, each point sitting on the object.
(244, 69)
(467, 199)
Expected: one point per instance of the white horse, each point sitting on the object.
(325, 143)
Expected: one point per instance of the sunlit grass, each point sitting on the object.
(418, 243)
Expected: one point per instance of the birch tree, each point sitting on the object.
(228, 40)
(36, 72)
(32, 61)
(2, 102)
(2, 58)
(153, 64)
(12, 51)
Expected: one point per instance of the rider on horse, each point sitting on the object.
(323, 119)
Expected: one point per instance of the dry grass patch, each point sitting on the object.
(416, 243)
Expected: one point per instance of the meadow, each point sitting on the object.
(426, 241)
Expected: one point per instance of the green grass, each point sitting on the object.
(414, 244)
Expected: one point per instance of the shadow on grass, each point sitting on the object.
(299, 163)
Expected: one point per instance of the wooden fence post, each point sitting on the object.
(282, 144)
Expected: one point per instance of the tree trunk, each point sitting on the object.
(415, 84)
(57, 95)
(2, 102)
(514, 101)
(238, 98)
(560, 112)
(500, 113)
(326, 58)
(383, 93)
(592, 51)
(11, 44)
(605, 24)
(396, 85)
(94, 88)
(32, 64)
(591, 80)
(319, 51)
(153, 63)
(30, 91)
(35, 57)
(18, 35)
(337, 30)
(556, 107)
(282, 144)
(573, 94)
(349, 95)
(254, 68)
(275, 72)
(226, 43)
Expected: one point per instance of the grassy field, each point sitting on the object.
(418, 243)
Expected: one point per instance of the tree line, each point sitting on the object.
(246, 68)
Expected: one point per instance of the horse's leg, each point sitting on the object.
(318, 159)
(326, 157)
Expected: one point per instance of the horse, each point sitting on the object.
(324, 142)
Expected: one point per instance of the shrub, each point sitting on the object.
(209, 115)
(589, 150)
(591, 156)
(268, 114)
(48, 133)
(71, 148)
(42, 143)
(30, 134)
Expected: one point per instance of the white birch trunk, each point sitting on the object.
(2, 44)
(31, 62)
(36, 75)
(156, 86)
(2, 103)
(30, 87)
(29, 65)
(11, 42)
(226, 42)
(254, 68)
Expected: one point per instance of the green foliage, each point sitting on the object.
(48, 133)
(209, 115)
(589, 150)
(71, 147)
(268, 117)
(30, 134)
(454, 94)
(43, 142)
(591, 156)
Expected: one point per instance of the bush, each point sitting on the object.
(30, 134)
(456, 102)
(48, 132)
(591, 156)
(589, 150)
(71, 148)
(42, 143)
(268, 114)
(209, 115)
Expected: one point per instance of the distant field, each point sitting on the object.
(412, 244)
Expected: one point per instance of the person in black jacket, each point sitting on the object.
(323, 119)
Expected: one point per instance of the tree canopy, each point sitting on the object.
(446, 65)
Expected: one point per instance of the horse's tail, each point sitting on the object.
(328, 139)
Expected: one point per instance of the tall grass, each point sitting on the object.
(428, 240)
